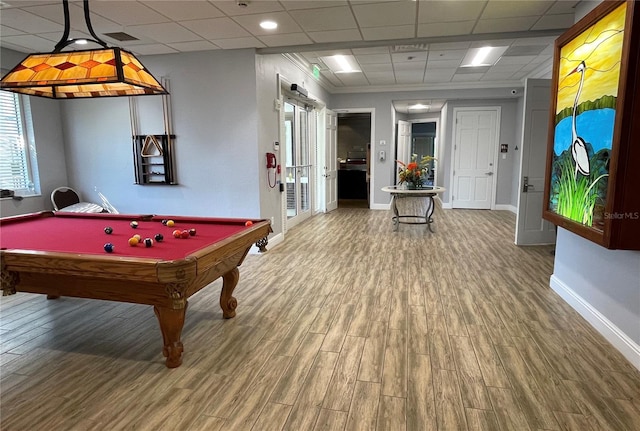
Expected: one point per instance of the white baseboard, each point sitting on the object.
(604, 326)
(273, 241)
(384, 207)
(506, 207)
(445, 206)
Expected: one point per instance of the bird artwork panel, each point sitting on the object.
(588, 76)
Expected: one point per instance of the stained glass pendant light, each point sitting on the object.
(109, 71)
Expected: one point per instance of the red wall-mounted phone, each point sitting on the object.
(271, 160)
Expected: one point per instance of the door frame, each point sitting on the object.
(372, 140)
(494, 179)
(435, 143)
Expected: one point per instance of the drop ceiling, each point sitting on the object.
(399, 44)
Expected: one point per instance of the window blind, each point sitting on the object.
(14, 170)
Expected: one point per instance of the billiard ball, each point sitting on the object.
(148, 242)
(159, 237)
(138, 237)
(133, 241)
(108, 230)
(177, 233)
(164, 222)
(108, 247)
(184, 234)
(192, 232)
(170, 223)
(134, 224)
(248, 223)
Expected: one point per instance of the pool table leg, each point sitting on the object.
(227, 302)
(171, 323)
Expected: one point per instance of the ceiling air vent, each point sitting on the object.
(515, 51)
(409, 48)
(120, 36)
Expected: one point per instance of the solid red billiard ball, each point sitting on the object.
(185, 234)
(248, 223)
(192, 232)
(177, 233)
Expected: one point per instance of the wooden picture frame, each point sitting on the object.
(592, 185)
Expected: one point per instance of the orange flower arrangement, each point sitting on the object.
(414, 173)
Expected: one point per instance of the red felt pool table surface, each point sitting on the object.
(84, 233)
(62, 254)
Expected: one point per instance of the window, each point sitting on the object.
(15, 154)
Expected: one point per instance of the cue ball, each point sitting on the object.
(170, 223)
(164, 222)
(108, 247)
(192, 232)
(159, 237)
(134, 224)
(177, 233)
(148, 242)
(184, 234)
(108, 230)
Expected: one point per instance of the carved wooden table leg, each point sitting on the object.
(227, 302)
(171, 323)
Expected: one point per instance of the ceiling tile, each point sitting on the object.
(286, 24)
(510, 9)
(382, 67)
(285, 39)
(504, 24)
(371, 50)
(153, 49)
(231, 8)
(198, 45)
(30, 42)
(443, 64)
(56, 35)
(409, 77)
(306, 4)
(385, 14)
(467, 77)
(449, 10)
(374, 58)
(164, 33)
(127, 12)
(238, 43)
(391, 32)
(333, 79)
(549, 40)
(436, 75)
(491, 42)
(216, 28)
(563, 6)
(523, 59)
(497, 76)
(408, 66)
(327, 53)
(449, 45)
(8, 31)
(500, 68)
(398, 57)
(550, 22)
(445, 28)
(454, 54)
(331, 18)
(28, 22)
(185, 10)
(355, 79)
(335, 35)
(381, 79)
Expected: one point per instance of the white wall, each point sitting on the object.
(47, 132)
(215, 117)
(602, 285)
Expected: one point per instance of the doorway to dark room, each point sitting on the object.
(354, 156)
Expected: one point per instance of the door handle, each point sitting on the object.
(488, 173)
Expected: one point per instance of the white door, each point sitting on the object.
(474, 165)
(331, 161)
(403, 152)
(530, 227)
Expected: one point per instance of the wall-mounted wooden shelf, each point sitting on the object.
(155, 167)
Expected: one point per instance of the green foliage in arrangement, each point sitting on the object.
(577, 195)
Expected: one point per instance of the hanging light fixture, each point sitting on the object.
(109, 71)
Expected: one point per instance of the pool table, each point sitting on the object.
(62, 254)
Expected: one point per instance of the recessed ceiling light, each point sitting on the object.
(341, 63)
(81, 41)
(419, 106)
(269, 25)
(485, 56)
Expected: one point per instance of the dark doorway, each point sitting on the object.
(354, 148)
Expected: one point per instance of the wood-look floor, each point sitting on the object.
(345, 326)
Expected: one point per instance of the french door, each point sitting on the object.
(298, 165)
